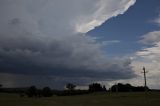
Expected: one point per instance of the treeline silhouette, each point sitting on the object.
(127, 88)
(33, 91)
(96, 87)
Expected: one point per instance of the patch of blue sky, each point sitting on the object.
(128, 28)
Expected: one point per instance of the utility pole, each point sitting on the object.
(145, 87)
(145, 81)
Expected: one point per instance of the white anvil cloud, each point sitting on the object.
(104, 10)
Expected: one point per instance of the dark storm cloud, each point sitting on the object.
(78, 58)
(40, 38)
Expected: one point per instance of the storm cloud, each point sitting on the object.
(49, 37)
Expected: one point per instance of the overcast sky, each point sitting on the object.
(53, 42)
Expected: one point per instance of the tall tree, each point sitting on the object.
(70, 86)
(32, 92)
(95, 87)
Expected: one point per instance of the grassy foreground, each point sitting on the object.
(96, 99)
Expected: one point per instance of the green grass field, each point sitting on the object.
(96, 99)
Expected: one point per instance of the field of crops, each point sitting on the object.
(95, 99)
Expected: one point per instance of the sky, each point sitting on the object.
(54, 42)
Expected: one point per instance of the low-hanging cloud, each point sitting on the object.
(46, 37)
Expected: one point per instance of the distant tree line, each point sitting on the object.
(96, 87)
(33, 91)
(126, 88)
